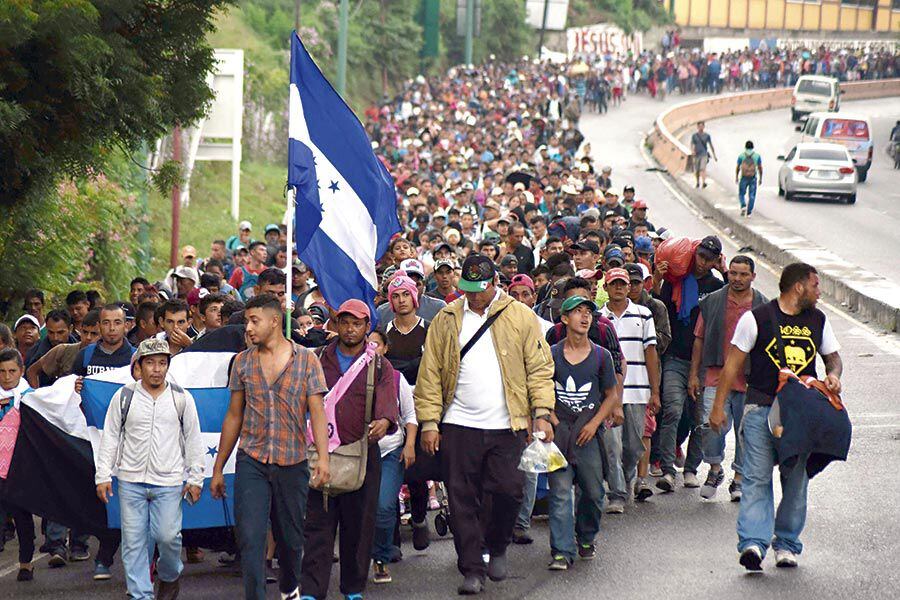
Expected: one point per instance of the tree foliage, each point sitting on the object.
(504, 32)
(80, 76)
(630, 15)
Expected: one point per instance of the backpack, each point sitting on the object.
(748, 165)
(248, 283)
(178, 398)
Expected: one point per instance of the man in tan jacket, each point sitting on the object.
(485, 379)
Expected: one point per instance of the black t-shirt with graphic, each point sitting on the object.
(582, 387)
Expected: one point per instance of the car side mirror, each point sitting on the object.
(798, 128)
(854, 160)
(780, 157)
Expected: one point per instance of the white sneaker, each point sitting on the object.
(785, 559)
(615, 507)
(666, 483)
(690, 480)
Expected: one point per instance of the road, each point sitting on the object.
(675, 546)
(865, 233)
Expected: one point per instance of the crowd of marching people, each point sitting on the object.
(530, 294)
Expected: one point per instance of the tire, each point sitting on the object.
(440, 525)
(780, 189)
(788, 195)
(793, 116)
(863, 173)
(851, 199)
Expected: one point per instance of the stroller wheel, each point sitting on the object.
(440, 525)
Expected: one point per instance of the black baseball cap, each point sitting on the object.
(477, 273)
(634, 272)
(710, 245)
(589, 245)
(509, 259)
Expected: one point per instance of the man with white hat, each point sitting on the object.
(141, 425)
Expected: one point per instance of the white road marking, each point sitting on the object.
(15, 567)
(880, 339)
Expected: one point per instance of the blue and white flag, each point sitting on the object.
(346, 201)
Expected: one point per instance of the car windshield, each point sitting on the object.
(845, 128)
(811, 86)
(823, 154)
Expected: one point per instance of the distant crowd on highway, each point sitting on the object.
(529, 292)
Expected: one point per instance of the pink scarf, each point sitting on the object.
(336, 393)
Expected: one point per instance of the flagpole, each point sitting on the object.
(288, 305)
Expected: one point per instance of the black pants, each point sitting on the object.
(24, 530)
(354, 513)
(426, 468)
(477, 464)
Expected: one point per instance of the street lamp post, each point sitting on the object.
(343, 18)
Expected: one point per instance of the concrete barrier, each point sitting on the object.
(874, 298)
(675, 156)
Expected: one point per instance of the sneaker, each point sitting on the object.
(194, 555)
(666, 483)
(433, 503)
(353, 597)
(57, 560)
(642, 490)
(743, 212)
(472, 585)
(421, 535)
(227, 558)
(751, 558)
(559, 563)
(655, 470)
(735, 490)
(615, 507)
(271, 575)
(381, 573)
(713, 480)
(679, 458)
(498, 569)
(28, 574)
(101, 572)
(521, 537)
(785, 559)
(587, 552)
(690, 480)
(79, 554)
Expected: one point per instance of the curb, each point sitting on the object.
(872, 297)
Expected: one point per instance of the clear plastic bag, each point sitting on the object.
(542, 457)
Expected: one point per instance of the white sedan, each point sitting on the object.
(818, 170)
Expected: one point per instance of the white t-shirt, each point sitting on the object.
(636, 332)
(391, 442)
(746, 331)
(480, 399)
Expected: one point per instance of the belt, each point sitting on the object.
(755, 396)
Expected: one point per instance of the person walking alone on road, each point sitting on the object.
(273, 384)
(759, 524)
(748, 174)
(151, 436)
(486, 375)
(701, 147)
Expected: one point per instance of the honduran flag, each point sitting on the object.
(52, 468)
(346, 202)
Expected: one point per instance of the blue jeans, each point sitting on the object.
(57, 534)
(383, 548)
(523, 521)
(758, 521)
(674, 392)
(713, 441)
(747, 186)
(582, 523)
(151, 516)
(624, 449)
(263, 493)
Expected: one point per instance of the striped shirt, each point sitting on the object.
(636, 332)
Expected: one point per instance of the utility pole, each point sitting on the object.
(470, 29)
(176, 199)
(343, 18)
(297, 16)
(543, 27)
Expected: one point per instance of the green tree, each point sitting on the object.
(80, 76)
(630, 15)
(504, 32)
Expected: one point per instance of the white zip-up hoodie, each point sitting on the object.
(150, 451)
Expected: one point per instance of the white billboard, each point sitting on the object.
(557, 11)
(601, 39)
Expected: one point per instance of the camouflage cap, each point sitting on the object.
(152, 346)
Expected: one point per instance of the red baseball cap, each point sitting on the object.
(357, 308)
(521, 279)
(639, 204)
(617, 274)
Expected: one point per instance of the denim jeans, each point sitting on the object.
(747, 186)
(624, 449)
(57, 535)
(523, 521)
(263, 493)
(151, 517)
(713, 441)
(692, 415)
(674, 393)
(758, 521)
(583, 523)
(383, 548)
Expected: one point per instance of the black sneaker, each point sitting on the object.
(587, 552)
(381, 573)
(735, 489)
(751, 558)
(559, 563)
(713, 480)
(421, 535)
(57, 560)
(25, 575)
(521, 537)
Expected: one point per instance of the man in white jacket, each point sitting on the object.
(142, 422)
